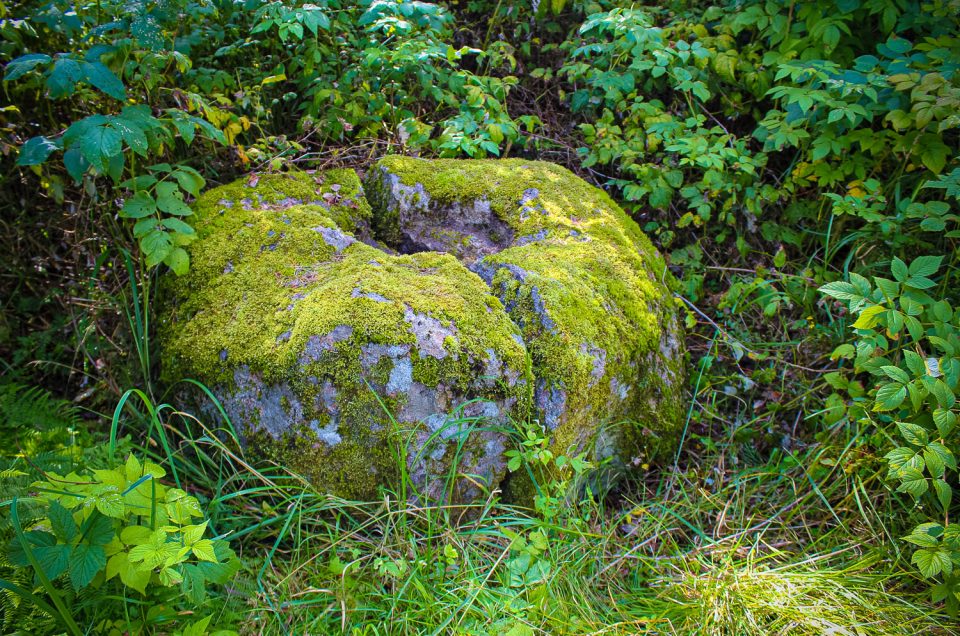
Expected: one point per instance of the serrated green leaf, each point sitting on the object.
(17, 68)
(85, 562)
(945, 420)
(889, 397)
(868, 317)
(190, 181)
(203, 550)
(895, 373)
(912, 482)
(934, 463)
(914, 363)
(131, 576)
(944, 493)
(97, 529)
(143, 226)
(903, 457)
(99, 144)
(170, 199)
(138, 206)
(98, 75)
(176, 225)
(920, 282)
(178, 260)
(913, 433)
(35, 151)
(110, 504)
(921, 539)
(133, 135)
(899, 270)
(914, 327)
(75, 163)
(53, 559)
(62, 522)
(931, 561)
(63, 78)
(925, 265)
(840, 290)
(192, 534)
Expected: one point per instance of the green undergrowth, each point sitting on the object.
(794, 544)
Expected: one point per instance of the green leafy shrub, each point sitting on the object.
(102, 535)
(908, 341)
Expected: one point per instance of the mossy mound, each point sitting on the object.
(501, 291)
(310, 336)
(574, 272)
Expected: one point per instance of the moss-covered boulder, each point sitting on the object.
(574, 273)
(329, 354)
(342, 336)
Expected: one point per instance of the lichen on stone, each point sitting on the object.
(331, 336)
(579, 278)
(342, 336)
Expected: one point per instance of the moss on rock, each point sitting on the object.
(520, 291)
(309, 336)
(578, 277)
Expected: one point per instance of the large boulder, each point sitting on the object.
(577, 276)
(348, 341)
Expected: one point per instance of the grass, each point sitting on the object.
(799, 544)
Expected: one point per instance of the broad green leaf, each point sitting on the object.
(35, 538)
(203, 550)
(53, 559)
(934, 463)
(921, 539)
(130, 575)
(840, 290)
(85, 562)
(63, 77)
(182, 507)
(133, 134)
(899, 269)
(154, 553)
(75, 163)
(192, 534)
(920, 282)
(157, 246)
(99, 144)
(140, 182)
(35, 151)
(945, 421)
(98, 75)
(868, 317)
(914, 363)
(62, 522)
(889, 397)
(944, 493)
(22, 65)
(190, 181)
(143, 226)
(110, 504)
(914, 434)
(912, 482)
(895, 373)
(925, 265)
(931, 561)
(138, 206)
(176, 225)
(178, 260)
(97, 529)
(170, 199)
(136, 535)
